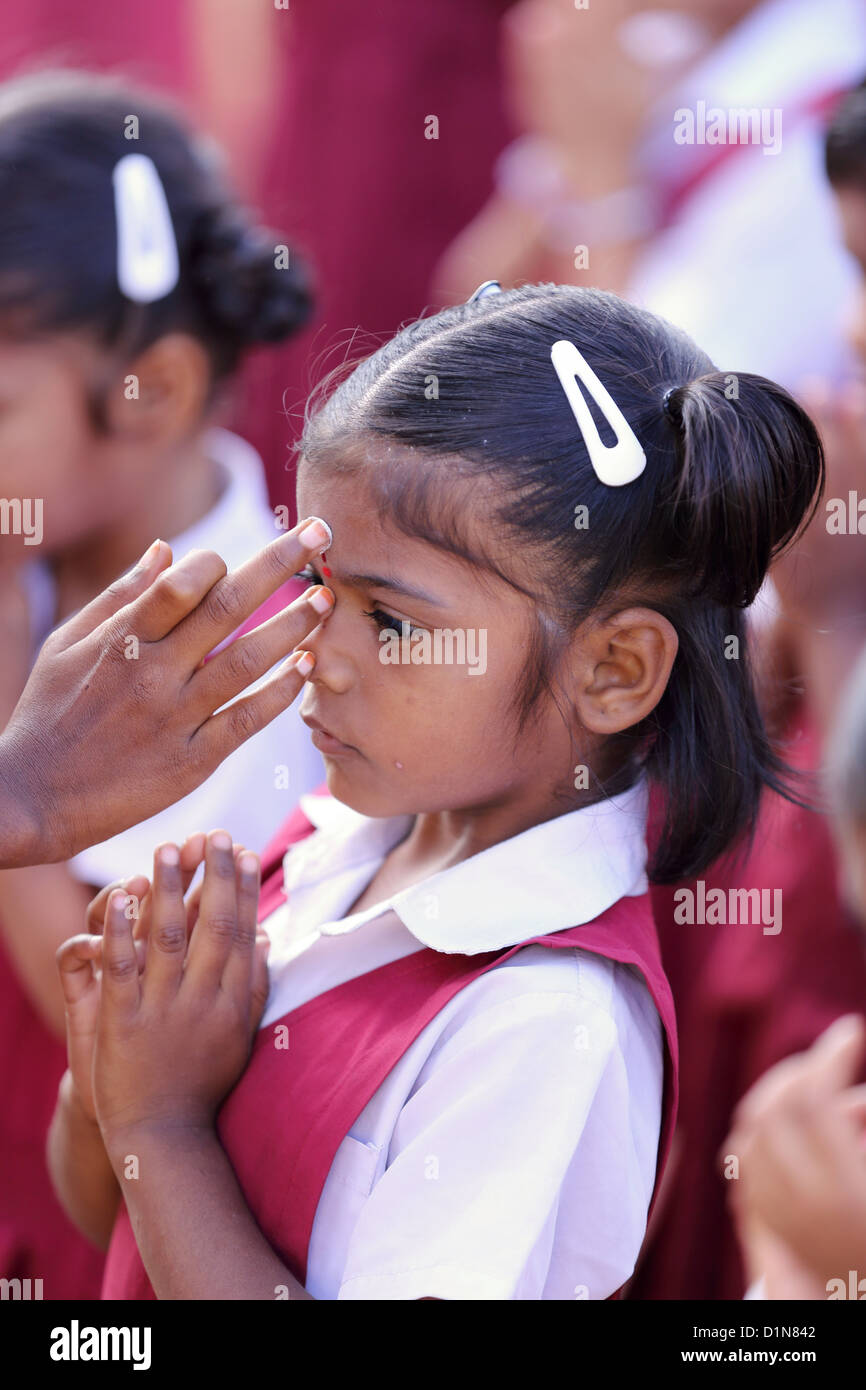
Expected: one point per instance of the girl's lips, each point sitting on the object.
(325, 741)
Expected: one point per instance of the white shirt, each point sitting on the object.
(258, 785)
(511, 1152)
(755, 269)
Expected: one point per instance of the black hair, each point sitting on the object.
(61, 134)
(845, 141)
(734, 470)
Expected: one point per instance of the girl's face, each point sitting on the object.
(50, 453)
(421, 735)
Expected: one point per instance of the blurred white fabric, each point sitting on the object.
(754, 268)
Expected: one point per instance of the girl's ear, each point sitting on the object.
(622, 669)
(164, 394)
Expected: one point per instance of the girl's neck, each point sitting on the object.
(195, 482)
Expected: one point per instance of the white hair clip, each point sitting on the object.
(614, 464)
(485, 290)
(147, 260)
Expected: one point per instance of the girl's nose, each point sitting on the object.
(333, 668)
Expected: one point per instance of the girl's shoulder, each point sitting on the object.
(545, 995)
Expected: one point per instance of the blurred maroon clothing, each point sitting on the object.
(353, 182)
(37, 1240)
(147, 42)
(744, 1001)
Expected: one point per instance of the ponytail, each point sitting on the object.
(748, 478)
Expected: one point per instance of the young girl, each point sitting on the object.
(464, 1081)
(131, 284)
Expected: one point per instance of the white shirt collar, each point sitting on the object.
(233, 527)
(556, 875)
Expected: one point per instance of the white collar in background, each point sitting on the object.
(237, 514)
(559, 874)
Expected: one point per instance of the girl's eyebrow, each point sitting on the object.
(395, 586)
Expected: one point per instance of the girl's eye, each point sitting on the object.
(384, 621)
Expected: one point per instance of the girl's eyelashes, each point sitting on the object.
(384, 621)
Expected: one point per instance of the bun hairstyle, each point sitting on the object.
(61, 135)
(733, 471)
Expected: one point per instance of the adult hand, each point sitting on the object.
(798, 1135)
(117, 720)
(15, 640)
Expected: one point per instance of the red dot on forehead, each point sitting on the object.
(325, 569)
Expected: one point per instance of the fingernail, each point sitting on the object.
(149, 555)
(302, 662)
(316, 535)
(169, 856)
(320, 598)
(221, 839)
(248, 863)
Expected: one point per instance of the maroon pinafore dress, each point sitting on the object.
(342, 1045)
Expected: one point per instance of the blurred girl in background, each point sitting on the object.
(131, 284)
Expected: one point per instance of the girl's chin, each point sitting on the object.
(360, 794)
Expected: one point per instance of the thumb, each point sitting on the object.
(122, 591)
(838, 1053)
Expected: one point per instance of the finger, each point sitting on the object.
(838, 1052)
(125, 590)
(176, 594)
(140, 953)
(120, 984)
(260, 981)
(193, 907)
(222, 733)
(141, 927)
(166, 939)
(190, 858)
(238, 973)
(252, 656)
(75, 962)
(772, 1090)
(193, 900)
(191, 855)
(852, 1104)
(214, 932)
(135, 888)
(232, 599)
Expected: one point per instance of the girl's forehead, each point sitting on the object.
(350, 493)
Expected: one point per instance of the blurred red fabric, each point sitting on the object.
(744, 1001)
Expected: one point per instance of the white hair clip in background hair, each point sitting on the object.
(614, 464)
(147, 260)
